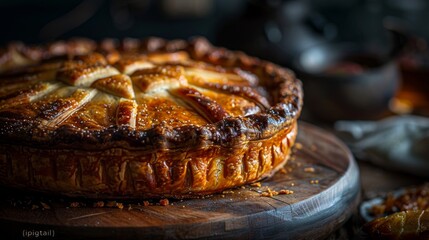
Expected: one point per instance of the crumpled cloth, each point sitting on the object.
(400, 143)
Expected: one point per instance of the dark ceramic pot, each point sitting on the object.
(275, 30)
(346, 81)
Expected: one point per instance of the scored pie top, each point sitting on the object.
(148, 94)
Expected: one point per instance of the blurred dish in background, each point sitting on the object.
(402, 214)
(414, 198)
(346, 81)
(276, 30)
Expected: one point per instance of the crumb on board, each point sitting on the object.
(98, 204)
(228, 192)
(270, 193)
(34, 206)
(164, 202)
(111, 204)
(298, 145)
(45, 206)
(314, 181)
(120, 205)
(146, 203)
(292, 184)
(255, 184)
(74, 204)
(285, 192)
(114, 204)
(309, 169)
(283, 170)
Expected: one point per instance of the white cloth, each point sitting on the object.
(400, 142)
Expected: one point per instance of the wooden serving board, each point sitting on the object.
(321, 202)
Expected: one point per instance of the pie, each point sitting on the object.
(142, 118)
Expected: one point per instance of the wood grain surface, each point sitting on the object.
(322, 174)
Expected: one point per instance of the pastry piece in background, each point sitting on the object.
(413, 224)
(403, 214)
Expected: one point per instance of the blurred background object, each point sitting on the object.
(346, 81)
(40, 21)
(276, 30)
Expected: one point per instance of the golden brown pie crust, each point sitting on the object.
(142, 118)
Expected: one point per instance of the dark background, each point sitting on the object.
(276, 30)
(40, 21)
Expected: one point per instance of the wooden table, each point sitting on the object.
(322, 175)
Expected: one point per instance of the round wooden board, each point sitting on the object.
(313, 211)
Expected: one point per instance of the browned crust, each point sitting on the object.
(282, 85)
(122, 173)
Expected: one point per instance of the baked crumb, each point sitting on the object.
(228, 192)
(292, 184)
(111, 204)
(256, 184)
(309, 169)
(99, 204)
(314, 181)
(34, 207)
(298, 145)
(119, 205)
(164, 202)
(265, 194)
(283, 170)
(129, 207)
(45, 206)
(269, 193)
(285, 192)
(146, 203)
(74, 204)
